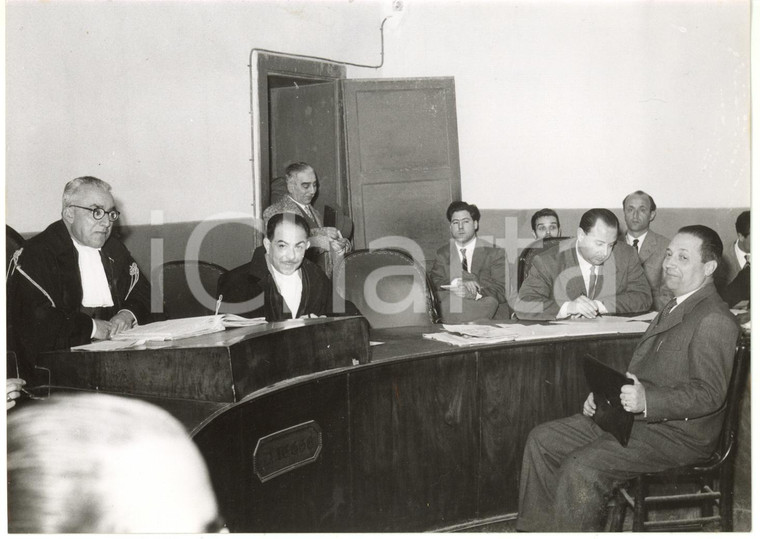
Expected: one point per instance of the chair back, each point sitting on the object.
(175, 284)
(388, 287)
(525, 260)
(736, 385)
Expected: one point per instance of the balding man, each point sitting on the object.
(586, 276)
(639, 211)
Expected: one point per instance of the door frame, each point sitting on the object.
(264, 65)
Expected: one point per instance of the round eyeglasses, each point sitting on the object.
(99, 213)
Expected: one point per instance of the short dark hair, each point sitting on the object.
(652, 205)
(296, 168)
(589, 219)
(712, 247)
(742, 223)
(279, 218)
(546, 212)
(459, 205)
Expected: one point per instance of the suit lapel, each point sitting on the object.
(574, 285)
(478, 256)
(647, 248)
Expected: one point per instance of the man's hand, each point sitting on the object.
(121, 321)
(102, 329)
(633, 397)
(13, 391)
(465, 289)
(312, 315)
(331, 232)
(583, 306)
(340, 246)
(589, 407)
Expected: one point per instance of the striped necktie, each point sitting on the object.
(464, 259)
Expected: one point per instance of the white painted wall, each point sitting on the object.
(560, 103)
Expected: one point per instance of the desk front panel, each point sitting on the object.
(411, 443)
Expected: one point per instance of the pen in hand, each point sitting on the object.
(218, 304)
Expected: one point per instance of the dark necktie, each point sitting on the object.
(666, 310)
(464, 259)
(592, 283)
(746, 257)
(636, 244)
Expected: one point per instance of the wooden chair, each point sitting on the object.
(525, 260)
(713, 477)
(399, 292)
(180, 301)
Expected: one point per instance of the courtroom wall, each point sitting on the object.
(565, 104)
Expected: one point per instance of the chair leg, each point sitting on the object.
(726, 503)
(617, 515)
(639, 508)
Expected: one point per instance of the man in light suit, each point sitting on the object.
(469, 274)
(681, 368)
(586, 276)
(639, 211)
(328, 244)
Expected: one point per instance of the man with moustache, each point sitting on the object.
(469, 274)
(586, 276)
(279, 283)
(639, 211)
(680, 368)
(74, 282)
(327, 244)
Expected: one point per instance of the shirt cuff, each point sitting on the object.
(563, 311)
(94, 329)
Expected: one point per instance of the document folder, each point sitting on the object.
(605, 382)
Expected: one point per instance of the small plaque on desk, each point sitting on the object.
(605, 382)
(286, 450)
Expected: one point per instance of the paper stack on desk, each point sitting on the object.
(182, 328)
(469, 334)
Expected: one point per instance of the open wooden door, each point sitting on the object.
(402, 158)
(305, 126)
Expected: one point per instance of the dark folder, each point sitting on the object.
(605, 382)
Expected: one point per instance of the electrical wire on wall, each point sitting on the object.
(254, 109)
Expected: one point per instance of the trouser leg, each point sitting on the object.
(546, 449)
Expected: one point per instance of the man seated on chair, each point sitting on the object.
(680, 368)
(586, 276)
(545, 224)
(639, 211)
(735, 271)
(469, 274)
(279, 283)
(75, 282)
(327, 242)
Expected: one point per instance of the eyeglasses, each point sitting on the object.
(99, 213)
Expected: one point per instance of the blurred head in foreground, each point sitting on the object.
(103, 464)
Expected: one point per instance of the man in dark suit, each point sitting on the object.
(639, 210)
(585, 276)
(328, 244)
(734, 283)
(469, 274)
(279, 283)
(74, 282)
(680, 368)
